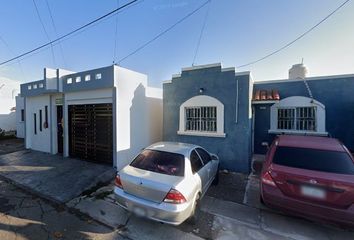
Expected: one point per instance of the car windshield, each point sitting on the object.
(314, 159)
(160, 162)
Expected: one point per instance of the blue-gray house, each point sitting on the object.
(314, 106)
(211, 106)
(228, 114)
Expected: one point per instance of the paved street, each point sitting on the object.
(24, 216)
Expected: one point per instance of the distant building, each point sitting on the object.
(106, 115)
(8, 91)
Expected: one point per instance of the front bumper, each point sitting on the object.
(174, 214)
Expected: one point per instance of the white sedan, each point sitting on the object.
(166, 181)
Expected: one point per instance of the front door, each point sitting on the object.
(60, 129)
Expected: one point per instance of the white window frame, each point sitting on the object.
(78, 79)
(98, 76)
(298, 102)
(87, 77)
(40, 85)
(69, 81)
(202, 101)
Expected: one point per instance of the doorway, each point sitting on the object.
(60, 129)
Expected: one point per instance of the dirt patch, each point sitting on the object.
(11, 145)
(231, 187)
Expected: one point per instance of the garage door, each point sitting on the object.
(90, 132)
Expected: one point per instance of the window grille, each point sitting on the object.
(201, 119)
(298, 118)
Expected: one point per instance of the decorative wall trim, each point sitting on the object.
(298, 101)
(202, 101)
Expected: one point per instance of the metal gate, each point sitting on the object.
(90, 132)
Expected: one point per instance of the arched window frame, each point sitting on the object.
(202, 101)
(296, 102)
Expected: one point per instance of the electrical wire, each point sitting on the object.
(201, 34)
(115, 37)
(296, 39)
(70, 33)
(163, 32)
(56, 32)
(44, 29)
(10, 50)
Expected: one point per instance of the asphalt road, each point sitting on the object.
(24, 216)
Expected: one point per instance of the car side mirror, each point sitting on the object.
(214, 157)
(265, 144)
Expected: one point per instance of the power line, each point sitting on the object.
(70, 33)
(10, 50)
(296, 39)
(163, 32)
(201, 34)
(56, 32)
(115, 37)
(44, 29)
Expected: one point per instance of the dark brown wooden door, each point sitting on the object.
(91, 132)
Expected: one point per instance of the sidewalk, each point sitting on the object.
(53, 177)
(220, 219)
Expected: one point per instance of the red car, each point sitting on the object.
(311, 177)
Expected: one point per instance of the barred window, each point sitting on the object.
(297, 118)
(201, 119)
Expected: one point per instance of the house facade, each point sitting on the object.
(321, 106)
(106, 115)
(228, 114)
(211, 106)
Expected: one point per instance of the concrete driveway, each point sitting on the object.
(51, 176)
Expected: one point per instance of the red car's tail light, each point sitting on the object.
(118, 182)
(267, 179)
(174, 196)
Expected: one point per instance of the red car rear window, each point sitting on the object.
(314, 159)
(160, 162)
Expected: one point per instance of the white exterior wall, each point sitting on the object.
(42, 140)
(20, 125)
(8, 90)
(138, 115)
(83, 97)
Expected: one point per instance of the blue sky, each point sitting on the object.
(236, 33)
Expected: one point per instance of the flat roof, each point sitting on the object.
(307, 79)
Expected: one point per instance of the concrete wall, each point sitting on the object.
(20, 125)
(138, 115)
(335, 92)
(8, 121)
(234, 150)
(42, 140)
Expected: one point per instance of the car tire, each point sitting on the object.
(195, 213)
(216, 179)
(261, 200)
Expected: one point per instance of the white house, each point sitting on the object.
(8, 91)
(106, 115)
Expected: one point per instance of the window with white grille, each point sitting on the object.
(297, 118)
(201, 116)
(201, 119)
